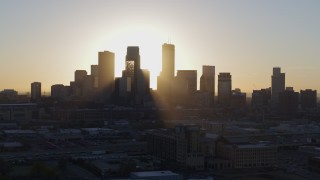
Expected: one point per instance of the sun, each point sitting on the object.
(149, 41)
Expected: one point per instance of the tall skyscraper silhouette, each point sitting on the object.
(224, 89)
(277, 84)
(135, 82)
(79, 78)
(185, 87)
(207, 82)
(132, 68)
(95, 75)
(166, 77)
(106, 73)
(35, 91)
(308, 99)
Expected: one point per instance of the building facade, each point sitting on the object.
(207, 82)
(106, 74)
(224, 89)
(277, 84)
(35, 91)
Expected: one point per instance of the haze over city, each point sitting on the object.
(47, 41)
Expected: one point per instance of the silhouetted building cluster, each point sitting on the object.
(180, 90)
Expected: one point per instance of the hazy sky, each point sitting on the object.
(46, 41)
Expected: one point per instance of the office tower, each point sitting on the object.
(168, 62)
(288, 102)
(144, 82)
(88, 89)
(261, 98)
(164, 80)
(134, 85)
(79, 78)
(184, 87)
(238, 99)
(35, 91)
(95, 75)
(308, 99)
(106, 73)
(132, 68)
(59, 92)
(224, 89)
(189, 77)
(277, 84)
(207, 82)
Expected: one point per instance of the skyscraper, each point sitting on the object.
(207, 82)
(288, 102)
(106, 73)
(308, 98)
(166, 77)
(95, 75)
(135, 82)
(79, 78)
(224, 89)
(35, 91)
(277, 84)
(132, 68)
(184, 87)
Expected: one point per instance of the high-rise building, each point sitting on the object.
(59, 92)
(106, 73)
(79, 78)
(95, 75)
(35, 91)
(185, 87)
(135, 82)
(189, 77)
(260, 98)
(308, 99)
(238, 99)
(168, 63)
(277, 84)
(207, 82)
(288, 102)
(165, 79)
(224, 89)
(132, 68)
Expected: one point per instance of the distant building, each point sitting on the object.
(166, 77)
(17, 112)
(289, 102)
(308, 99)
(238, 99)
(8, 96)
(134, 85)
(246, 155)
(35, 91)
(207, 82)
(185, 87)
(181, 146)
(79, 78)
(224, 89)
(277, 84)
(59, 92)
(95, 75)
(261, 98)
(106, 73)
(143, 88)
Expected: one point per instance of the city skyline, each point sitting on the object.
(248, 41)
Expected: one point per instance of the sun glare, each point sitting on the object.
(150, 43)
